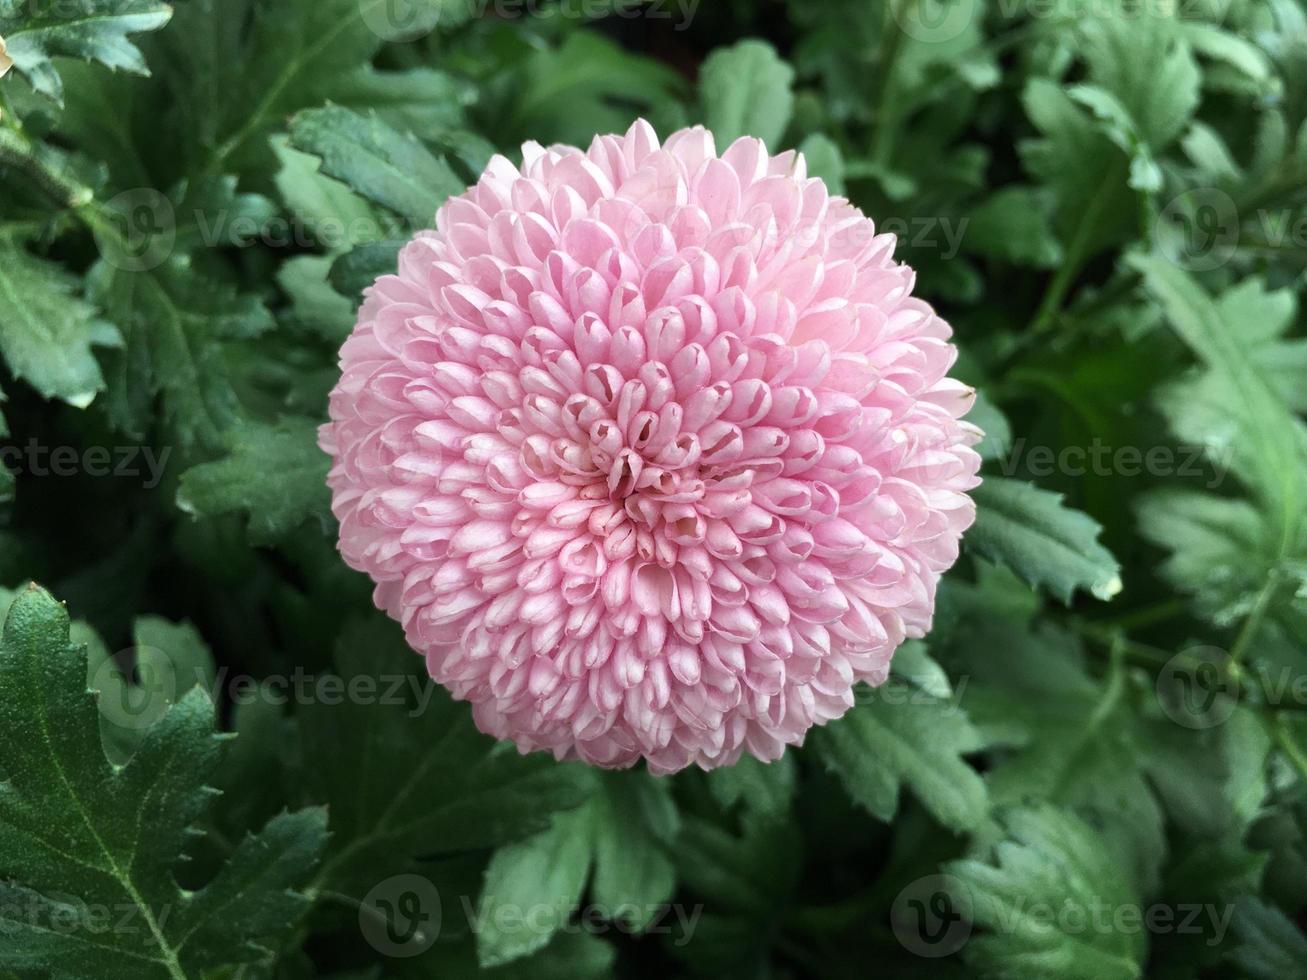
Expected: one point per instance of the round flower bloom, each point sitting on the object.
(651, 450)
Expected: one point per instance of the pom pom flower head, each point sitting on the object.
(651, 450)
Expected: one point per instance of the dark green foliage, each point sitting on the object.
(1095, 765)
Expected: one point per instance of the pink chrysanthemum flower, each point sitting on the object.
(651, 450)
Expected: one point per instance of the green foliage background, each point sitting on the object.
(1109, 202)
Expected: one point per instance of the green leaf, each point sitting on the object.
(824, 161)
(420, 100)
(1081, 167)
(337, 218)
(1146, 64)
(355, 271)
(176, 323)
(387, 167)
(1210, 540)
(81, 839)
(746, 90)
(989, 419)
(1050, 863)
(902, 736)
(570, 92)
(244, 68)
(49, 331)
(315, 305)
(93, 30)
(168, 660)
(635, 825)
(1272, 440)
(1047, 544)
(1067, 737)
(274, 473)
(410, 774)
(1270, 947)
(1013, 225)
(765, 789)
(625, 834)
(532, 887)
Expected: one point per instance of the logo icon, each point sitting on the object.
(400, 917)
(144, 230)
(135, 698)
(1199, 229)
(934, 21)
(400, 20)
(930, 916)
(1195, 689)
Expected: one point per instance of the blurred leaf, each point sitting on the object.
(1271, 946)
(746, 91)
(1047, 544)
(49, 331)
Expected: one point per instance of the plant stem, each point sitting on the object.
(1248, 632)
(1077, 252)
(1289, 745)
(20, 153)
(882, 144)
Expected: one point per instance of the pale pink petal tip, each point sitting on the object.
(651, 450)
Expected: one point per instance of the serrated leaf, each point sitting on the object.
(243, 72)
(751, 873)
(338, 219)
(411, 775)
(1210, 540)
(388, 167)
(274, 473)
(49, 331)
(746, 90)
(569, 92)
(1050, 862)
(765, 789)
(1046, 543)
(167, 660)
(904, 737)
(1273, 443)
(93, 30)
(1068, 738)
(1084, 170)
(175, 322)
(1146, 64)
(81, 839)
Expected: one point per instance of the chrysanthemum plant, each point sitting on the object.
(506, 496)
